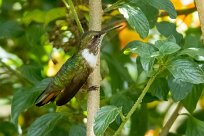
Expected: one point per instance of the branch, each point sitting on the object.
(74, 13)
(169, 123)
(200, 8)
(137, 103)
(180, 12)
(20, 77)
(95, 7)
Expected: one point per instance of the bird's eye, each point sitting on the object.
(96, 36)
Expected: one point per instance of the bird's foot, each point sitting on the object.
(93, 88)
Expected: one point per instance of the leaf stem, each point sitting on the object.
(137, 103)
(114, 6)
(76, 18)
(16, 73)
(169, 123)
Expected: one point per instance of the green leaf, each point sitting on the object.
(196, 53)
(8, 129)
(54, 13)
(139, 122)
(167, 47)
(195, 127)
(145, 51)
(24, 99)
(193, 40)
(150, 12)
(121, 100)
(186, 71)
(77, 130)
(147, 63)
(43, 16)
(9, 29)
(31, 73)
(163, 5)
(159, 88)
(167, 29)
(179, 89)
(191, 100)
(45, 124)
(136, 19)
(105, 116)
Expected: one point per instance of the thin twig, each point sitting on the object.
(200, 8)
(137, 103)
(169, 123)
(180, 12)
(74, 13)
(15, 73)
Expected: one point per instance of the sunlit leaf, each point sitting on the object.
(196, 53)
(167, 47)
(186, 71)
(164, 5)
(136, 19)
(105, 116)
(40, 16)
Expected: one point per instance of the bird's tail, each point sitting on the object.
(46, 97)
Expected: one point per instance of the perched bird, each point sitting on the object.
(75, 71)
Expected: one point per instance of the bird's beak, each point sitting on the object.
(106, 30)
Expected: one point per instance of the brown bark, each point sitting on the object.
(95, 7)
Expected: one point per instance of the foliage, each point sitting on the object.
(160, 64)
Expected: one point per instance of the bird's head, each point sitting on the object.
(91, 39)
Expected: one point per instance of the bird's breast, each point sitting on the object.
(90, 57)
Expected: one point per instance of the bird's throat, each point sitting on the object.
(90, 57)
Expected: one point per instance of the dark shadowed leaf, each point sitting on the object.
(186, 71)
(31, 73)
(77, 130)
(195, 127)
(9, 29)
(24, 99)
(139, 122)
(150, 12)
(121, 100)
(45, 124)
(191, 100)
(179, 89)
(136, 19)
(163, 5)
(8, 129)
(167, 29)
(105, 116)
(159, 88)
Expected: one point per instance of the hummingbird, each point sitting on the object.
(75, 71)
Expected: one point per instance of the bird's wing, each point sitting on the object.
(63, 77)
(71, 89)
